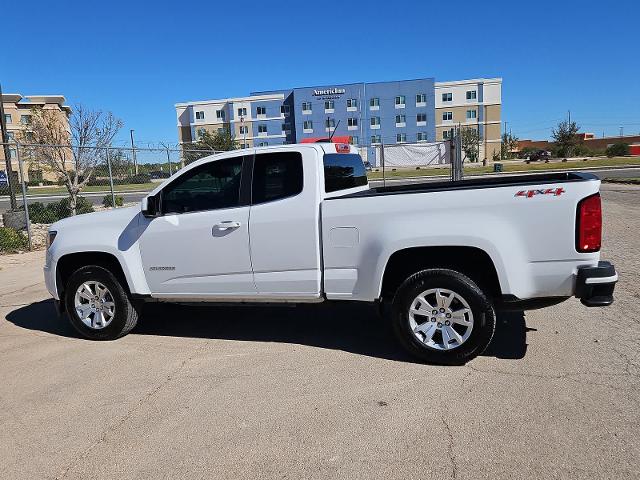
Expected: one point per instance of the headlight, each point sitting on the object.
(51, 236)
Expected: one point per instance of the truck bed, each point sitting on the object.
(530, 238)
(486, 181)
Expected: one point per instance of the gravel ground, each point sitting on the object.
(321, 391)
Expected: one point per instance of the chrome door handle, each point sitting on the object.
(227, 225)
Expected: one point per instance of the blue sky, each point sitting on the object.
(137, 60)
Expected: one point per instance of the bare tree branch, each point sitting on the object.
(74, 152)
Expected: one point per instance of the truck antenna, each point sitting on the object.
(334, 130)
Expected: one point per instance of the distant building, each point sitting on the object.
(587, 140)
(404, 111)
(17, 117)
(475, 103)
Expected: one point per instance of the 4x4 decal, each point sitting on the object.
(547, 191)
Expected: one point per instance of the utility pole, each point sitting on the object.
(621, 131)
(7, 155)
(133, 153)
(569, 114)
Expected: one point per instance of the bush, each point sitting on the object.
(52, 212)
(41, 213)
(618, 150)
(12, 240)
(107, 201)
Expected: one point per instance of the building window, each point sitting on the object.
(375, 139)
(401, 137)
(307, 125)
(7, 118)
(244, 145)
(353, 140)
(352, 121)
(471, 114)
(11, 136)
(306, 107)
(25, 119)
(328, 105)
(446, 134)
(421, 117)
(200, 132)
(401, 119)
(471, 95)
(263, 144)
(284, 109)
(422, 136)
(374, 102)
(421, 99)
(446, 116)
(242, 112)
(400, 101)
(220, 114)
(330, 123)
(244, 129)
(199, 115)
(261, 110)
(262, 129)
(12, 153)
(375, 121)
(447, 97)
(352, 103)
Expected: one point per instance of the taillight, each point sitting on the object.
(589, 224)
(342, 148)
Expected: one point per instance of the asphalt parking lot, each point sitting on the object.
(322, 391)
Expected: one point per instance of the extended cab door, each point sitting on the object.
(199, 246)
(285, 226)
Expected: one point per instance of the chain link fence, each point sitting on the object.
(41, 184)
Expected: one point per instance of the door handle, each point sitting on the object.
(227, 225)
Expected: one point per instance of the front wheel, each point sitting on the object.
(441, 316)
(98, 306)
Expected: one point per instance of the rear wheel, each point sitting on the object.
(97, 305)
(441, 316)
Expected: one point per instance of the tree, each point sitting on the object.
(618, 150)
(72, 153)
(565, 136)
(508, 145)
(470, 139)
(209, 144)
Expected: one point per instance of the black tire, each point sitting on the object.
(480, 306)
(125, 314)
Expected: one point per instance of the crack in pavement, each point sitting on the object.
(141, 402)
(450, 446)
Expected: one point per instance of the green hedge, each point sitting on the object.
(12, 240)
(107, 201)
(52, 212)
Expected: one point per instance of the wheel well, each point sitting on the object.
(470, 261)
(70, 263)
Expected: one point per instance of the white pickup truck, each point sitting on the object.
(299, 223)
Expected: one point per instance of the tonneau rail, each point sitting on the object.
(476, 183)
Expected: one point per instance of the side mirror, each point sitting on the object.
(149, 206)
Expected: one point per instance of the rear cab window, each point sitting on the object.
(343, 171)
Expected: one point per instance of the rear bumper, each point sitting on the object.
(595, 285)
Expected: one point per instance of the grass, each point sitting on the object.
(509, 166)
(133, 187)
